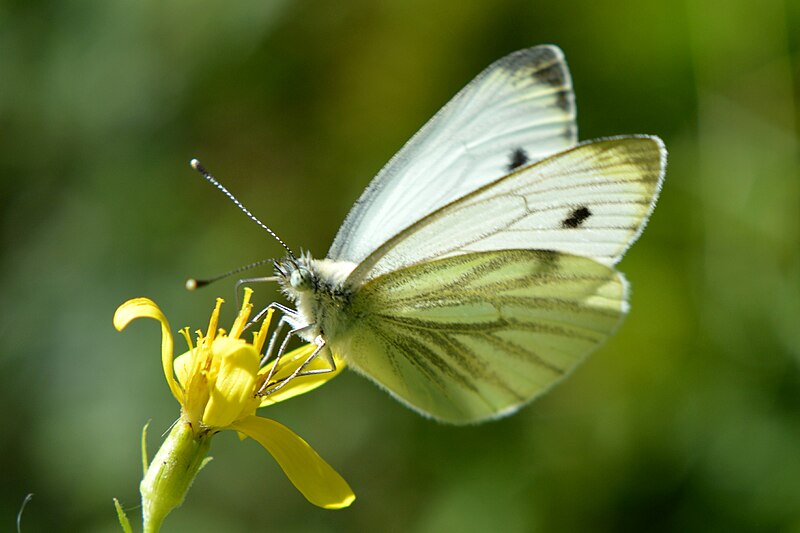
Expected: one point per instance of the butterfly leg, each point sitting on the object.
(272, 340)
(269, 388)
(286, 311)
(244, 281)
(328, 356)
(289, 315)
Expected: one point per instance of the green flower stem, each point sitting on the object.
(171, 473)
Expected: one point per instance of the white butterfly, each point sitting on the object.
(476, 270)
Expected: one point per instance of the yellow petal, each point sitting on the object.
(146, 308)
(232, 391)
(312, 476)
(183, 367)
(289, 363)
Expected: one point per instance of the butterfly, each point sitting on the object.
(477, 268)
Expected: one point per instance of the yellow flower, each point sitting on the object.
(216, 383)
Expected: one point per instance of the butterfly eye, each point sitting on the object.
(300, 279)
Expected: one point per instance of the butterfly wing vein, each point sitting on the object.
(521, 104)
(612, 182)
(475, 336)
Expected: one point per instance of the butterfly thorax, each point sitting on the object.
(317, 287)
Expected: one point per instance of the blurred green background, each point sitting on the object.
(688, 420)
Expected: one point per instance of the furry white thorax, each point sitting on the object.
(317, 287)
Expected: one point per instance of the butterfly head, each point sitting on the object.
(295, 274)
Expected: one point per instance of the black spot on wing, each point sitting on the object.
(537, 58)
(564, 100)
(552, 75)
(577, 217)
(517, 158)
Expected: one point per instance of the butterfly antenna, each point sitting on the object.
(193, 283)
(209, 178)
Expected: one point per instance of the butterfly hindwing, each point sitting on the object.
(517, 111)
(475, 336)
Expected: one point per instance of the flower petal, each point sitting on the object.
(312, 476)
(232, 391)
(146, 308)
(289, 363)
(183, 367)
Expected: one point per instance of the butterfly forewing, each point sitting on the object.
(592, 200)
(475, 336)
(519, 110)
